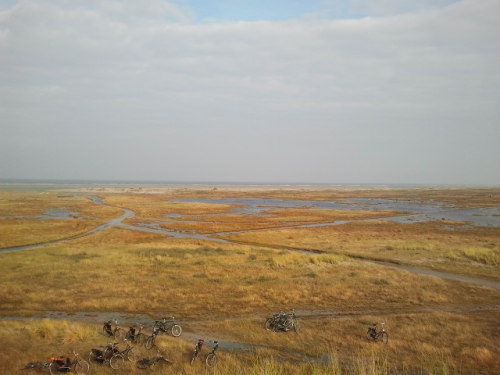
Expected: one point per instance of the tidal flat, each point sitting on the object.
(223, 258)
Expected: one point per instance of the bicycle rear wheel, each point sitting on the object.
(119, 334)
(151, 342)
(53, 368)
(142, 364)
(140, 338)
(82, 367)
(116, 362)
(211, 360)
(269, 325)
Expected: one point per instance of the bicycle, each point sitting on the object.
(135, 334)
(118, 358)
(146, 362)
(211, 358)
(282, 322)
(377, 335)
(60, 364)
(197, 350)
(117, 332)
(151, 341)
(104, 354)
(169, 325)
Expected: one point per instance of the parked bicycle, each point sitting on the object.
(211, 358)
(197, 350)
(113, 355)
(282, 322)
(65, 364)
(103, 354)
(147, 363)
(169, 325)
(109, 331)
(163, 326)
(135, 334)
(375, 334)
(118, 358)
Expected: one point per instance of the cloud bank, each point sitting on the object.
(117, 90)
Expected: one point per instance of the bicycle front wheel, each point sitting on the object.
(384, 337)
(211, 360)
(195, 355)
(116, 362)
(151, 342)
(81, 367)
(176, 330)
(131, 355)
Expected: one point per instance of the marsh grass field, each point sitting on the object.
(245, 267)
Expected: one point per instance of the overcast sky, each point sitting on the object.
(283, 91)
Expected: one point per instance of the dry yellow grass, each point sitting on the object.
(432, 343)
(20, 223)
(226, 290)
(472, 251)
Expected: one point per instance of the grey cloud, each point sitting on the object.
(151, 95)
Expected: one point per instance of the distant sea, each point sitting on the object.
(6, 182)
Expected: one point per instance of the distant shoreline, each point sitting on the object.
(138, 183)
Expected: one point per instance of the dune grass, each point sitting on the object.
(472, 251)
(414, 346)
(122, 270)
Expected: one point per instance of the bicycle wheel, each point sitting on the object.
(211, 360)
(384, 337)
(54, 368)
(142, 364)
(151, 342)
(105, 333)
(195, 355)
(131, 355)
(140, 338)
(269, 325)
(119, 334)
(81, 367)
(176, 330)
(116, 362)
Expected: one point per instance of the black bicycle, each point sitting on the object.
(375, 334)
(283, 322)
(135, 334)
(147, 363)
(109, 331)
(169, 325)
(197, 350)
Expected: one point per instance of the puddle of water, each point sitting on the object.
(58, 213)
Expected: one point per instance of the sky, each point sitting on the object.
(251, 91)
